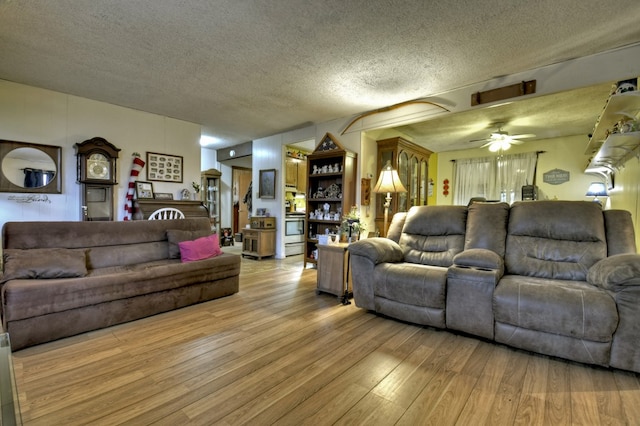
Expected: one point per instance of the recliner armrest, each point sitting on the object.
(616, 272)
(377, 250)
(480, 259)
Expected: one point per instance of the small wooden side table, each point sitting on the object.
(333, 270)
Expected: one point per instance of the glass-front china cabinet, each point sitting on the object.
(412, 163)
(210, 196)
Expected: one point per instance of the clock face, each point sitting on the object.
(98, 167)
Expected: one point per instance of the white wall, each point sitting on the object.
(267, 154)
(29, 114)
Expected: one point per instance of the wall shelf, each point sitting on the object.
(609, 150)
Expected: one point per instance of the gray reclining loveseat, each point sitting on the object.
(560, 278)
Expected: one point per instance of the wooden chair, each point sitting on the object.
(166, 213)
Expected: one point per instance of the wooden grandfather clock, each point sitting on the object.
(97, 175)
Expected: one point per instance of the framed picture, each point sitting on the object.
(267, 188)
(164, 167)
(144, 190)
(163, 196)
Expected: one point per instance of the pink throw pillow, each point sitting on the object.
(200, 248)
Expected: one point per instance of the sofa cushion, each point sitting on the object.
(176, 236)
(412, 284)
(616, 271)
(47, 263)
(555, 239)
(30, 298)
(433, 235)
(200, 248)
(569, 308)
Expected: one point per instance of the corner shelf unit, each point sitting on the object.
(609, 150)
(327, 155)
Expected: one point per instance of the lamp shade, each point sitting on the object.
(389, 181)
(597, 189)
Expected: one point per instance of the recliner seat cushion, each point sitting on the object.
(569, 308)
(413, 284)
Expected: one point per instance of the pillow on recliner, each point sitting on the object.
(615, 271)
(44, 263)
(199, 249)
(175, 236)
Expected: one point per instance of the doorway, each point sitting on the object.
(241, 208)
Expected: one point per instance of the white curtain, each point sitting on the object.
(494, 178)
(513, 172)
(473, 177)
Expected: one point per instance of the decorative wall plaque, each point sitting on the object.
(555, 177)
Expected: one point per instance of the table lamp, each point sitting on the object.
(596, 189)
(388, 182)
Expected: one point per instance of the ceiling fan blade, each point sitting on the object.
(481, 140)
(486, 144)
(523, 136)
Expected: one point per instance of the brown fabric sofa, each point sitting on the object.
(65, 278)
(560, 278)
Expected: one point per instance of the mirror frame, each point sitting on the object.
(55, 152)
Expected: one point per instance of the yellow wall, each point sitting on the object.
(562, 153)
(626, 193)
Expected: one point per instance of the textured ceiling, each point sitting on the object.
(248, 69)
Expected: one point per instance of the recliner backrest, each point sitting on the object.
(554, 239)
(433, 235)
(487, 227)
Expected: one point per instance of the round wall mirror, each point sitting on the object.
(27, 167)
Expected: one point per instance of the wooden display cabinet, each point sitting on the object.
(331, 189)
(258, 242)
(412, 163)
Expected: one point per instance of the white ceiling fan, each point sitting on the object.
(501, 140)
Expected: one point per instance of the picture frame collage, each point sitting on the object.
(164, 167)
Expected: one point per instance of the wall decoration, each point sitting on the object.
(556, 177)
(33, 198)
(144, 190)
(163, 167)
(267, 188)
(163, 196)
(41, 163)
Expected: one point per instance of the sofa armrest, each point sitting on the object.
(377, 250)
(616, 272)
(471, 281)
(481, 259)
(365, 255)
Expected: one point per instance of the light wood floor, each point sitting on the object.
(277, 353)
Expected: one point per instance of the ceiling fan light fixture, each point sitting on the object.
(500, 145)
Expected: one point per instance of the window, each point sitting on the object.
(494, 178)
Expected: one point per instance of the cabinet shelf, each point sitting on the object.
(324, 175)
(327, 154)
(325, 200)
(328, 222)
(611, 150)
